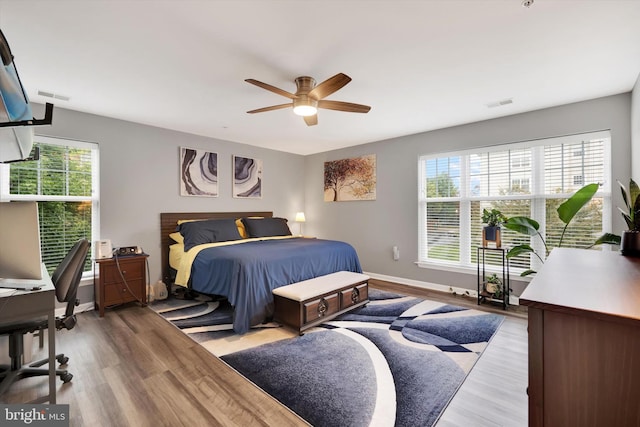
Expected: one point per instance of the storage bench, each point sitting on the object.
(308, 303)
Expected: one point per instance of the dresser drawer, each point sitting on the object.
(131, 269)
(319, 308)
(353, 296)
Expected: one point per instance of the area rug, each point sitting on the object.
(396, 361)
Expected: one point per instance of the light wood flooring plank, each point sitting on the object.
(495, 391)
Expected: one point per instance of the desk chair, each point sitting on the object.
(66, 279)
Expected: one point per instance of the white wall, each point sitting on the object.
(139, 178)
(374, 227)
(635, 131)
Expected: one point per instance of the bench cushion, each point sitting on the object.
(307, 289)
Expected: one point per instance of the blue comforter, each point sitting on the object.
(247, 273)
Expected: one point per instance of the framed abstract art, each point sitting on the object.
(247, 178)
(198, 172)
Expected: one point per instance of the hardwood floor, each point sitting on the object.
(132, 368)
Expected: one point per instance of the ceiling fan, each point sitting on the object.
(309, 97)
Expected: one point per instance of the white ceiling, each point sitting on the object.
(420, 65)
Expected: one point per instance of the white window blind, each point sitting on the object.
(522, 179)
(64, 182)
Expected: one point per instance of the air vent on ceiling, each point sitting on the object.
(53, 95)
(500, 103)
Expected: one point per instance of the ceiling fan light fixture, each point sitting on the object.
(309, 97)
(304, 105)
(305, 110)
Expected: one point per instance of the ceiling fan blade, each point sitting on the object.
(271, 88)
(273, 107)
(344, 106)
(311, 120)
(329, 86)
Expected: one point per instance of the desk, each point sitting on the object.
(20, 306)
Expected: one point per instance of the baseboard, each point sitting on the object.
(87, 306)
(513, 300)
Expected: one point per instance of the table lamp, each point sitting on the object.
(300, 219)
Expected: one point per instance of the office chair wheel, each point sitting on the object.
(66, 377)
(62, 359)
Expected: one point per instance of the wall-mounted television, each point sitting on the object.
(15, 141)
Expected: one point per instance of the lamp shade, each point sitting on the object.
(300, 217)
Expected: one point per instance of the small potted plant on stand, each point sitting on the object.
(630, 239)
(494, 286)
(491, 232)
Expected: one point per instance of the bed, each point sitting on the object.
(246, 270)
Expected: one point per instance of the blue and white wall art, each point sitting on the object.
(247, 177)
(198, 173)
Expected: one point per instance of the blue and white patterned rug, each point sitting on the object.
(397, 361)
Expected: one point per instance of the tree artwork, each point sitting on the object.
(350, 179)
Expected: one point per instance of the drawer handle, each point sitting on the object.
(355, 295)
(322, 307)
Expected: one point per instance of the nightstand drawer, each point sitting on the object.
(112, 294)
(117, 293)
(130, 271)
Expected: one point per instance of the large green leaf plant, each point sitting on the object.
(631, 213)
(566, 212)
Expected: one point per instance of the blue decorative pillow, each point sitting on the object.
(208, 231)
(266, 227)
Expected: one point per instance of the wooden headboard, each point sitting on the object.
(169, 221)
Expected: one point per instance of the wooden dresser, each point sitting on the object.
(584, 340)
(111, 289)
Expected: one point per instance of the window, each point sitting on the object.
(520, 185)
(64, 182)
(520, 159)
(523, 179)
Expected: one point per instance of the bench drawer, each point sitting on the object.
(322, 307)
(306, 304)
(353, 296)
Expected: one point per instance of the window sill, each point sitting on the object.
(87, 279)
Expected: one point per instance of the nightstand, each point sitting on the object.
(120, 280)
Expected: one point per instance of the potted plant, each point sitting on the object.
(630, 239)
(493, 218)
(494, 286)
(566, 212)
